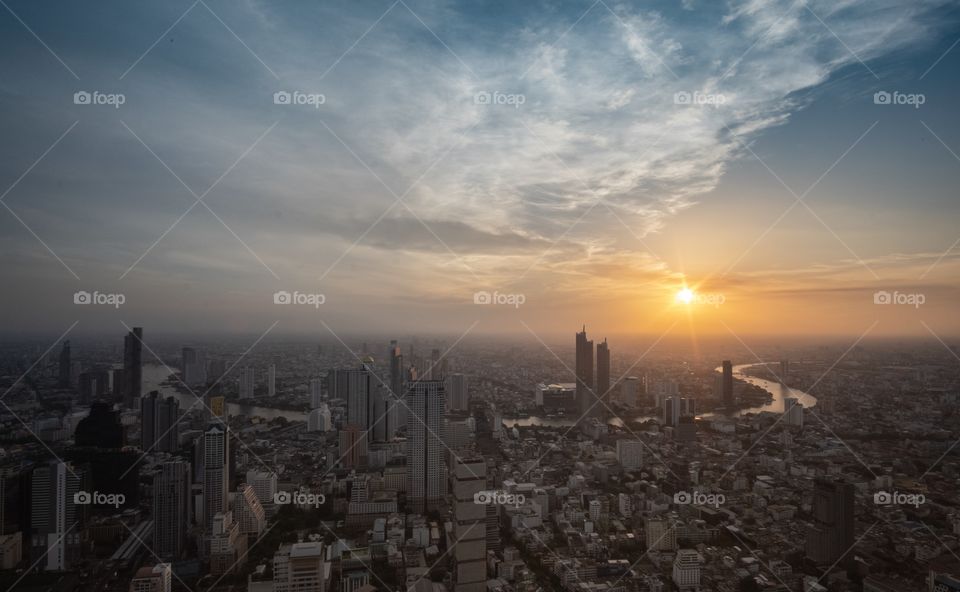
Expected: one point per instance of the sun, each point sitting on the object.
(685, 296)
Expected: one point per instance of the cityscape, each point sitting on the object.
(444, 296)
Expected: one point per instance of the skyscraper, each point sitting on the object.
(584, 371)
(171, 508)
(63, 372)
(316, 393)
(830, 535)
(56, 518)
(353, 446)
(159, 420)
(248, 379)
(395, 404)
(425, 467)
(457, 395)
(603, 371)
(469, 534)
(727, 383)
(272, 381)
(216, 488)
(193, 367)
(133, 367)
(792, 412)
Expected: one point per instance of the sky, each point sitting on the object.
(578, 162)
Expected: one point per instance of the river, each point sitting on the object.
(155, 374)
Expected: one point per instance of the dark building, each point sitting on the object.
(132, 367)
(101, 428)
(94, 384)
(830, 536)
(584, 370)
(603, 371)
(726, 385)
(99, 440)
(158, 419)
(63, 376)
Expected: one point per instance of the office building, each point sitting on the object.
(228, 546)
(248, 510)
(468, 537)
(425, 467)
(726, 385)
(661, 534)
(316, 393)
(158, 578)
(686, 570)
(63, 372)
(272, 381)
(248, 382)
(458, 398)
(584, 375)
(133, 367)
(56, 520)
(264, 484)
(792, 412)
(603, 373)
(630, 454)
(172, 513)
(630, 391)
(319, 419)
(831, 534)
(300, 567)
(159, 419)
(216, 489)
(353, 446)
(193, 367)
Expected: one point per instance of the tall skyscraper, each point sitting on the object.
(630, 393)
(216, 488)
(831, 534)
(316, 393)
(469, 534)
(248, 381)
(396, 405)
(193, 367)
(425, 467)
(457, 395)
(272, 381)
(159, 420)
(56, 520)
(603, 371)
(584, 371)
(727, 383)
(171, 508)
(63, 372)
(133, 367)
(784, 371)
(792, 412)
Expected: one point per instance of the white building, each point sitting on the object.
(264, 484)
(216, 494)
(686, 569)
(319, 419)
(630, 454)
(300, 567)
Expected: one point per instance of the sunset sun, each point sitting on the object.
(685, 296)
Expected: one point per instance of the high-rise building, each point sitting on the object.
(671, 411)
(468, 537)
(171, 508)
(630, 391)
(319, 419)
(157, 578)
(784, 371)
(249, 511)
(228, 546)
(193, 367)
(133, 367)
(792, 412)
(458, 397)
(660, 533)
(316, 393)
(248, 381)
(159, 419)
(216, 489)
(686, 569)
(300, 567)
(603, 372)
(425, 466)
(727, 384)
(94, 384)
(397, 405)
(584, 371)
(630, 454)
(831, 534)
(353, 446)
(272, 381)
(63, 372)
(264, 484)
(56, 518)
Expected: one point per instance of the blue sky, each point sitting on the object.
(597, 186)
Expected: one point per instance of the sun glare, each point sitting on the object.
(685, 296)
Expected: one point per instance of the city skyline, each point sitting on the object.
(600, 158)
